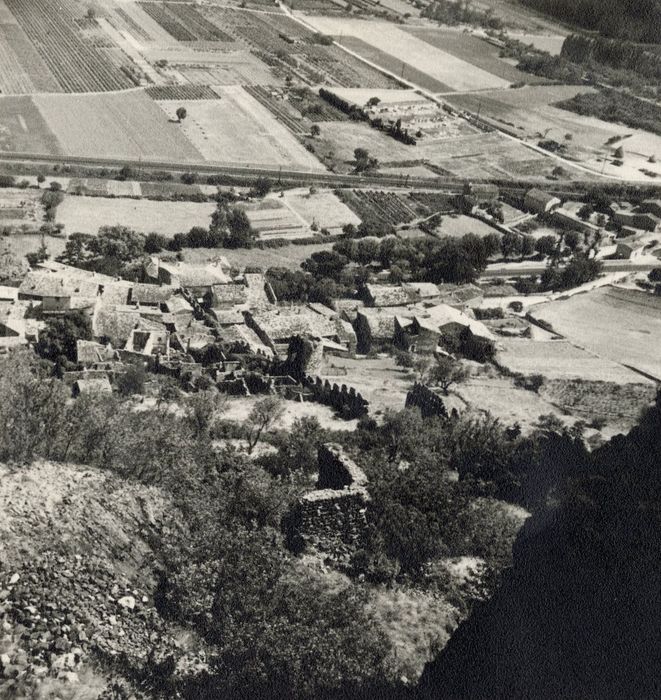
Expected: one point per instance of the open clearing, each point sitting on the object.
(122, 125)
(623, 325)
(88, 214)
(441, 66)
(473, 50)
(238, 129)
(500, 397)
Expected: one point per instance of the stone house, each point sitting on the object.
(540, 202)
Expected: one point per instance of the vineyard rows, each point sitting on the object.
(184, 22)
(77, 66)
(275, 106)
(133, 26)
(373, 205)
(182, 92)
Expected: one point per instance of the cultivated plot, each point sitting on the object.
(439, 65)
(560, 359)
(23, 129)
(322, 208)
(88, 214)
(473, 50)
(623, 325)
(238, 129)
(126, 125)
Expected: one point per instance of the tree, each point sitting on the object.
(58, 341)
(41, 178)
(261, 187)
(241, 233)
(132, 381)
(619, 153)
(315, 130)
(202, 411)
(585, 212)
(546, 245)
(527, 246)
(373, 101)
(572, 240)
(510, 244)
(264, 416)
(325, 263)
(181, 114)
(445, 372)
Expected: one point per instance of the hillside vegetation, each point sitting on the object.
(635, 20)
(577, 616)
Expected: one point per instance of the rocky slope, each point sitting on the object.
(77, 574)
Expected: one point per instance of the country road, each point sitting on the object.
(525, 270)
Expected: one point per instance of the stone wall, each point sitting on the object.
(332, 519)
(429, 403)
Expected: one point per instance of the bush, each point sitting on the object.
(132, 381)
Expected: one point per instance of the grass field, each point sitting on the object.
(438, 65)
(23, 128)
(238, 129)
(622, 325)
(20, 207)
(88, 214)
(473, 50)
(114, 125)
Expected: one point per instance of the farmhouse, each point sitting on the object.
(199, 279)
(90, 353)
(540, 202)
(629, 249)
(461, 296)
(635, 218)
(277, 328)
(567, 219)
(376, 327)
(379, 295)
(438, 325)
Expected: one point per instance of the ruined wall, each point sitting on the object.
(429, 403)
(345, 400)
(332, 519)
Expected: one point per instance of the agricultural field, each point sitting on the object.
(473, 50)
(450, 72)
(20, 208)
(74, 53)
(560, 359)
(323, 208)
(272, 219)
(459, 225)
(81, 214)
(238, 129)
(126, 125)
(183, 22)
(23, 128)
(531, 113)
(275, 100)
(385, 207)
(623, 325)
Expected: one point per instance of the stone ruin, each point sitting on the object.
(429, 402)
(331, 519)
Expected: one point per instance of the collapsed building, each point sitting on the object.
(332, 519)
